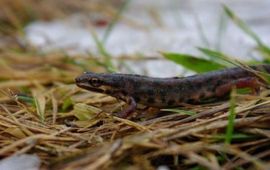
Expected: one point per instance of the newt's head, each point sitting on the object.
(98, 82)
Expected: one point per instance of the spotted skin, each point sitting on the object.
(169, 92)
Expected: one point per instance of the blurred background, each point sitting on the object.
(132, 30)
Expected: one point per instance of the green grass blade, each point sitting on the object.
(218, 57)
(231, 118)
(107, 58)
(242, 25)
(190, 62)
(39, 109)
(222, 26)
(201, 32)
(66, 104)
(114, 21)
(26, 99)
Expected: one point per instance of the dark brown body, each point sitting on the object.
(167, 92)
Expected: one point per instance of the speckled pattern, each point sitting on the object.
(167, 92)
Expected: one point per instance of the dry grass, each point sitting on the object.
(42, 112)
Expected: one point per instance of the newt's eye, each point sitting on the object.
(95, 82)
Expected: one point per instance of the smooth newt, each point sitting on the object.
(169, 92)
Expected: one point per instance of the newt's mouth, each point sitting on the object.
(85, 85)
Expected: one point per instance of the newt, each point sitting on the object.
(170, 92)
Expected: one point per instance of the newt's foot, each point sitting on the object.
(123, 114)
(129, 110)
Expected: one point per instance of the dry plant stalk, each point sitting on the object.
(42, 112)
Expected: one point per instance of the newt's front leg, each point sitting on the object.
(129, 110)
(252, 82)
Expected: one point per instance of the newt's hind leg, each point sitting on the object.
(252, 82)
